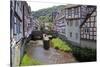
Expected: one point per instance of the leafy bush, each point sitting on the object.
(84, 54)
(29, 61)
(61, 45)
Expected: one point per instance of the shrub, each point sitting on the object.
(84, 54)
(61, 45)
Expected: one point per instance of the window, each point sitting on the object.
(18, 29)
(70, 34)
(95, 33)
(17, 26)
(36, 28)
(67, 23)
(88, 24)
(76, 35)
(92, 24)
(94, 29)
(69, 12)
(91, 33)
(76, 11)
(86, 29)
(14, 29)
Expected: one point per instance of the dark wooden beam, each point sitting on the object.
(88, 15)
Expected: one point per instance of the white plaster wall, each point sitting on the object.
(74, 30)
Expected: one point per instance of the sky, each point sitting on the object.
(40, 4)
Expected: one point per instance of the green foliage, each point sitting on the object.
(29, 61)
(81, 54)
(44, 19)
(47, 11)
(84, 54)
(45, 15)
(61, 45)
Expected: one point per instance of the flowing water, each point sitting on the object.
(52, 56)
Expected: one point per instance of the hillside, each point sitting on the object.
(47, 12)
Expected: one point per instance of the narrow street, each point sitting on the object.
(52, 56)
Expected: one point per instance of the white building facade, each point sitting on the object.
(69, 20)
(74, 15)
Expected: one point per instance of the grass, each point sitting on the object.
(26, 61)
(60, 44)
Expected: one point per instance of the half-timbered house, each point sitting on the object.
(74, 15)
(79, 24)
(20, 29)
(88, 29)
